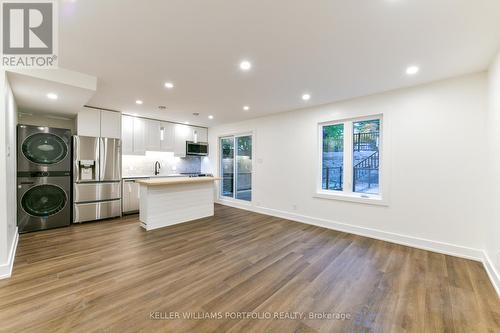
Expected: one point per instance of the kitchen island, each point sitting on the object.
(168, 201)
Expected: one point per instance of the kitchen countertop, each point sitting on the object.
(175, 180)
(154, 176)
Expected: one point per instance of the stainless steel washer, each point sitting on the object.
(43, 200)
(43, 149)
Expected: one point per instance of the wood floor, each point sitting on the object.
(113, 277)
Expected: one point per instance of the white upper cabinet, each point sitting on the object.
(167, 136)
(200, 134)
(139, 136)
(96, 123)
(133, 135)
(88, 122)
(183, 133)
(111, 124)
(127, 135)
(153, 135)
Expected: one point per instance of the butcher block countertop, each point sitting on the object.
(175, 181)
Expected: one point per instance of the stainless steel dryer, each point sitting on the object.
(43, 149)
(43, 178)
(43, 200)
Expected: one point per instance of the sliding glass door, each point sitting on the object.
(236, 167)
(227, 167)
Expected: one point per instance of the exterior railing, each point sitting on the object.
(365, 178)
(366, 171)
(365, 141)
(332, 178)
(244, 182)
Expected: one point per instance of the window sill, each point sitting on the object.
(354, 197)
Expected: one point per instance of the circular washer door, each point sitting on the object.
(44, 148)
(43, 200)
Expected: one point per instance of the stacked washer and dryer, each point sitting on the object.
(43, 178)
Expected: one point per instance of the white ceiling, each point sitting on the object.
(333, 49)
(31, 87)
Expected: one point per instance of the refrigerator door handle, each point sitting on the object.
(102, 158)
(98, 159)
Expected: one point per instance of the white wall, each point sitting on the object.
(26, 117)
(8, 208)
(435, 136)
(492, 207)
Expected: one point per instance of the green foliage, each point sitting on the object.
(368, 126)
(333, 138)
(227, 148)
(244, 144)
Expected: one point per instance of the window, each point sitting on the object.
(333, 157)
(236, 167)
(366, 156)
(351, 158)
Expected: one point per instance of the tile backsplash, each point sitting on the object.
(134, 166)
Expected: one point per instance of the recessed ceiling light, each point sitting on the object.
(52, 96)
(246, 108)
(139, 102)
(306, 97)
(186, 122)
(169, 85)
(412, 70)
(210, 117)
(245, 65)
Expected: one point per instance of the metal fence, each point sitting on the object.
(244, 182)
(365, 141)
(332, 178)
(365, 179)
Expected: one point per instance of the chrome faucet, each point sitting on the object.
(157, 168)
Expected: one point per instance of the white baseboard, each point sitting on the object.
(420, 243)
(492, 272)
(6, 269)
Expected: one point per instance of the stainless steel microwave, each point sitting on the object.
(197, 149)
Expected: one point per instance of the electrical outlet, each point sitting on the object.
(294, 207)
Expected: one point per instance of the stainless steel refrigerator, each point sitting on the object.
(96, 178)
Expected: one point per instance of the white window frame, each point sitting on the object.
(219, 164)
(347, 193)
